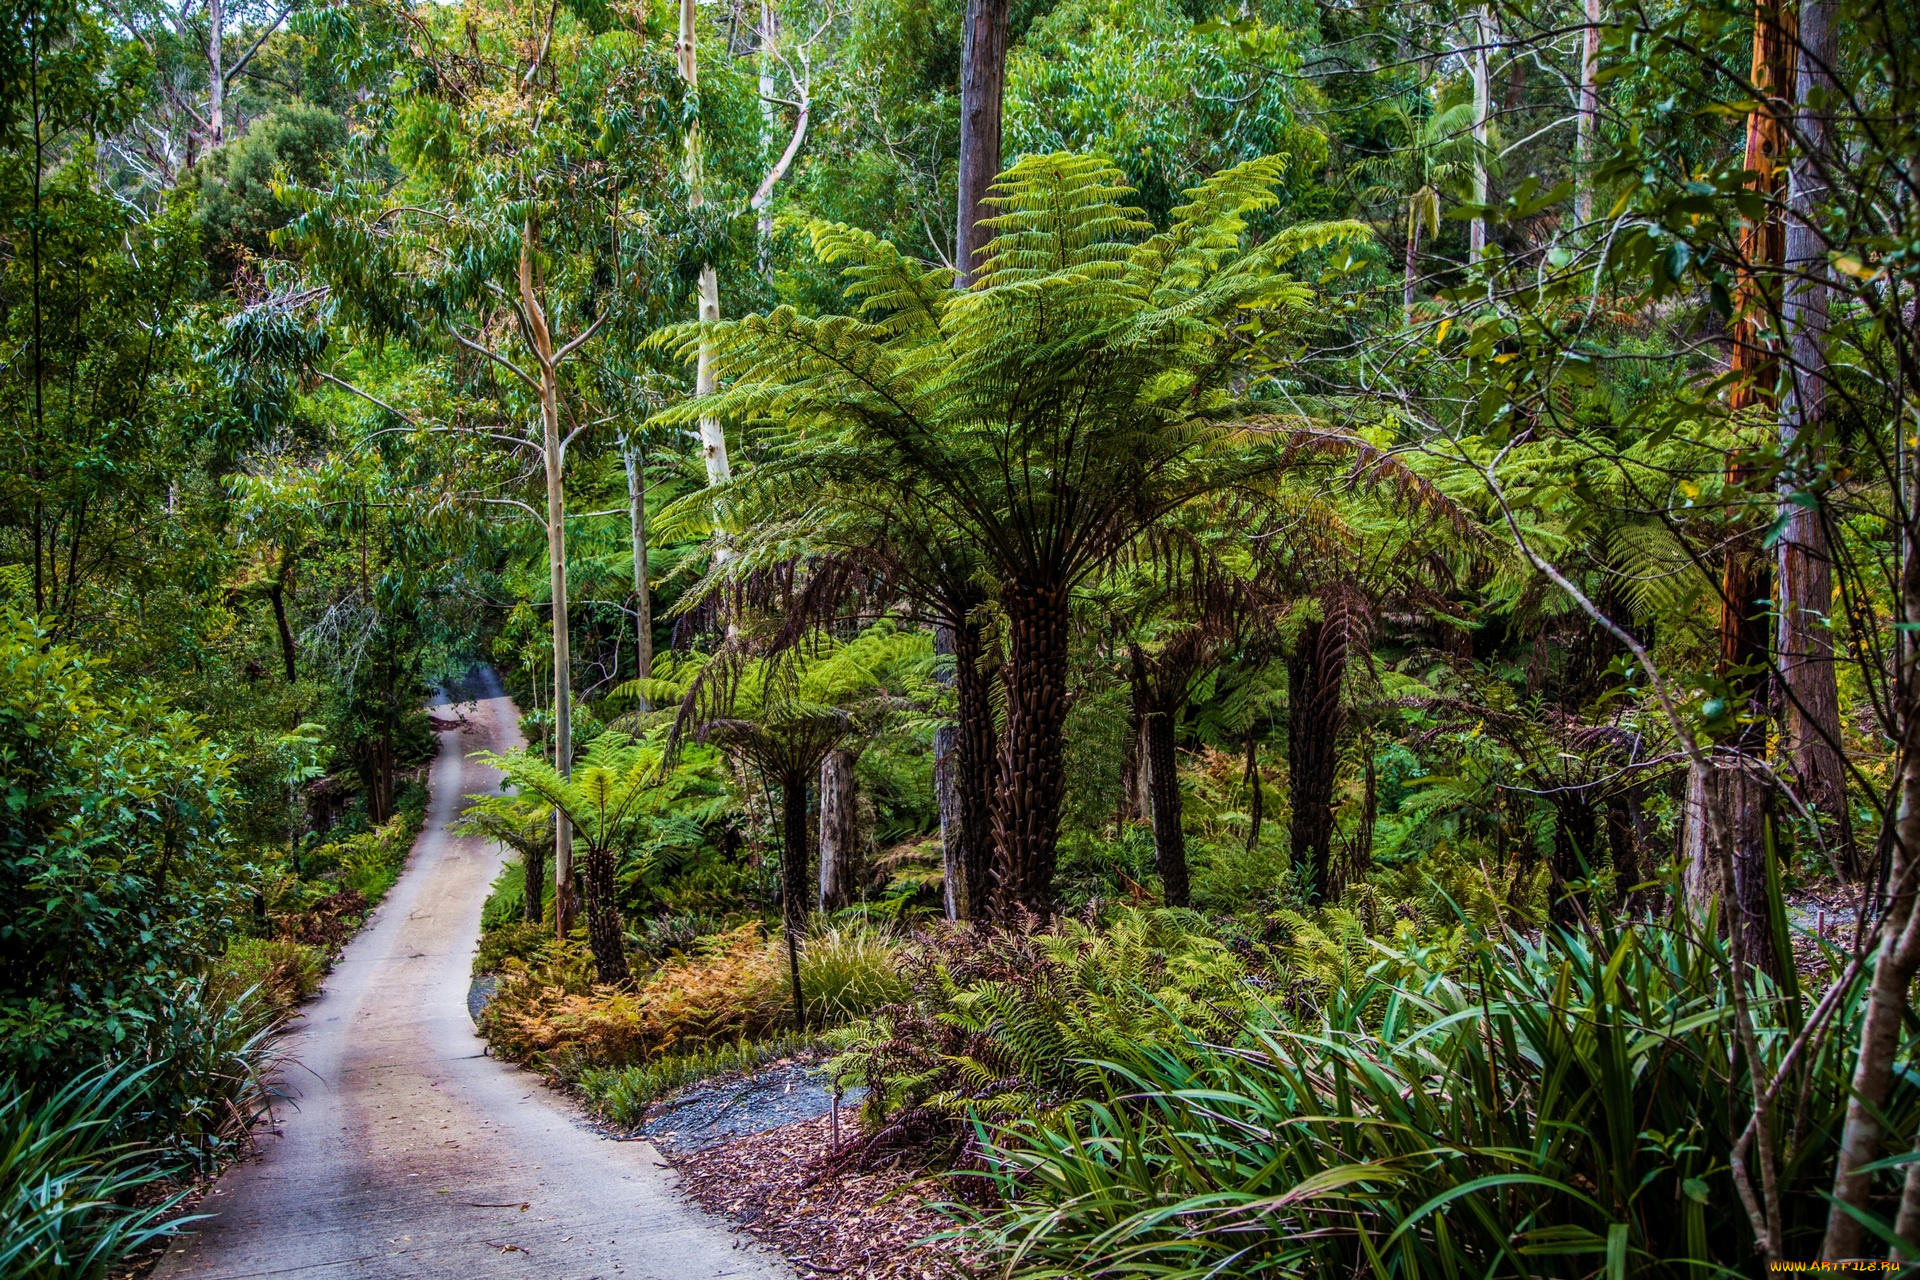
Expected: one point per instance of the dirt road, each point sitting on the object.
(412, 1154)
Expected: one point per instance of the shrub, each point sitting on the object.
(1011, 1025)
(623, 1094)
(65, 1184)
(849, 970)
(1499, 1107)
(282, 971)
(551, 1014)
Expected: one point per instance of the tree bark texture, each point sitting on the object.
(793, 880)
(983, 78)
(1032, 783)
(1482, 113)
(1803, 558)
(1316, 671)
(216, 75)
(842, 869)
(976, 767)
(1163, 784)
(1256, 800)
(946, 794)
(604, 934)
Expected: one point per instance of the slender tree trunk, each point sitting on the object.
(556, 575)
(946, 794)
(1163, 784)
(1411, 274)
(1589, 120)
(767, 33)
(1256, 804)
(1316, 672)
(1032, 784)
(636, 464)
(793, 879)
(976, 766)
(605, 936)
(983, 77)
(1482, 110)
(277, 595)
(216, 75)
(713, 437)
(842, 870)
(1803, 559)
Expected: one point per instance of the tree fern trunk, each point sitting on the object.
(604, 934)
(1163, 783)
(1026, 820)
(533, 882)
(976, 767)
(793, 878)
(1316, 716)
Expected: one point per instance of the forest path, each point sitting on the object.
(409, 1153)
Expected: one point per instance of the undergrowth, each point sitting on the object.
(623, 1094)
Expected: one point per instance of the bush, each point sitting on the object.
(849, 970)
(282, 971)
(623, 1094)
(65, 1184)
(1011, 1026)
(551, 1015)
(1491, 1107)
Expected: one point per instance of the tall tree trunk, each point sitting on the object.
(1482, 111)
(842, 869)
(216, 75)
(1803, 559)
(713, 437)
(946, 794)
(1032, 783)
(793, 879)
(1740, 790)
(636, 464)
(1589, 120)
(1163, 784)
(605, 937)
(983, 78)
(1316, 715)
(554, 461)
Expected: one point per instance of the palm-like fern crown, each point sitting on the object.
(1045, 413)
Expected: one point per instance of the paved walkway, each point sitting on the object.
(411, 1154)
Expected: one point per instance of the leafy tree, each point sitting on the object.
(1080, 391)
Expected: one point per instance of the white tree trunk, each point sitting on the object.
(636, 464)
(713, 438)
(216, 75)
(1482, 109)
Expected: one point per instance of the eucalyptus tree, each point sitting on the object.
(517, 238)
(1080, 390)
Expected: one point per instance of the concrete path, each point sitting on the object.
(410, 1154)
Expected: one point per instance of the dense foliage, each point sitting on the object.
(1324, 679)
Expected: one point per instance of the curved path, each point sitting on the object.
(409, 1153)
